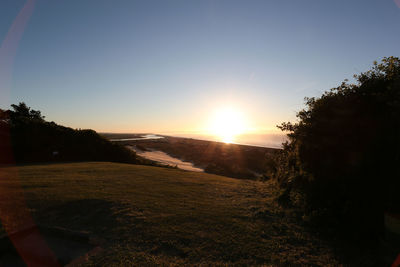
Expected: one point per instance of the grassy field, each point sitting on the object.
(158, 216)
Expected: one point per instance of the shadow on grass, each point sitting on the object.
(70, 230)
(97, 216)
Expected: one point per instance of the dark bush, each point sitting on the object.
(341, 164)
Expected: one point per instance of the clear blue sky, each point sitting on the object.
(132, 66)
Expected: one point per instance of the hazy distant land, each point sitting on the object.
(271, 140)
(233, 160)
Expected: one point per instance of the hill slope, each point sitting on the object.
(149, 215)
(26, 137)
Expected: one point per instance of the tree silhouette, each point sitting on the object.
(341, 163)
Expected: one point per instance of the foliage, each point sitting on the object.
(341, 163)
(32, 139)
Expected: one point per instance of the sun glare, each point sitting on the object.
(227, 123)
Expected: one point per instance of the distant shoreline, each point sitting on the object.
(273, 140)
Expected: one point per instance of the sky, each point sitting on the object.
(165, 66)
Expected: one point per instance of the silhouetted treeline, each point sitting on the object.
(342, 163)
(26, 138)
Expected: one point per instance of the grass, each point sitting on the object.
(157, 216)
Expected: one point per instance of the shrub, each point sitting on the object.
(341, 163)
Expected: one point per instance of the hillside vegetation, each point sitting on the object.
(341, 164)
(26, 137)
(152, 216)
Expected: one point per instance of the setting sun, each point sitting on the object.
(227, 123)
